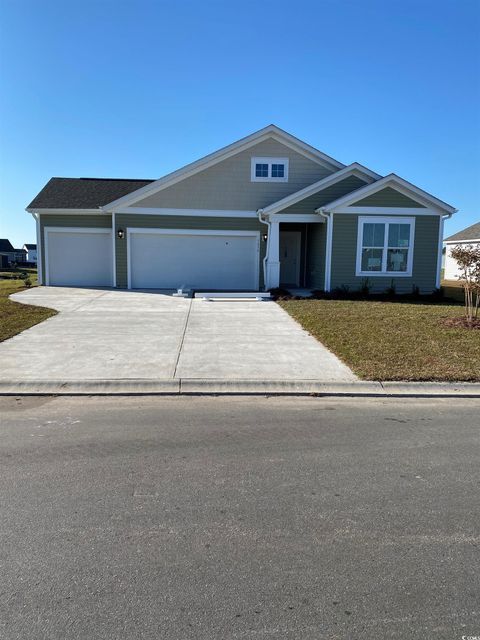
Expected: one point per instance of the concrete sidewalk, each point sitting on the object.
(131, 336)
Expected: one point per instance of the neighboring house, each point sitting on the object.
(6, 251)
(31, 250)
(20, 255)
(265, 211)
(11, 254)
(468, 237)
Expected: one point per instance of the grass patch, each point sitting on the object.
(392, 340)
(16, 317)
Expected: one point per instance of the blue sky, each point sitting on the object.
(137, 88)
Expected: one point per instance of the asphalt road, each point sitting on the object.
(250, 518)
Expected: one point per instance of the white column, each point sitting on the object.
(328, 252)
(36, 217)
(114, 250)
(273, 256)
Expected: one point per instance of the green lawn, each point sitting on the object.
(393, 340)
(16, 317)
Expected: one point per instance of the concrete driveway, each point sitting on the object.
(126, 335)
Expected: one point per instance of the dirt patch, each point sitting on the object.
(462, 323)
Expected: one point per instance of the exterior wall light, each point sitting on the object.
(264, 237)
(121, 234)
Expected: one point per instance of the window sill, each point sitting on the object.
(384, 274)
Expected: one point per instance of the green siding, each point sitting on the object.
(102, 221)
(387, 197)
(308, 205)
(227, 185)
(316, 248)
(344, 254)
(124, 221)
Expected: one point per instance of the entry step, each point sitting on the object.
(233, 295)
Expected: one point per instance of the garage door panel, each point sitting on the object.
(213, 261)
(79, 259)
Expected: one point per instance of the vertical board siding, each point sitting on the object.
(103, 221)
(316, 250)
(124, 221)
(344, 253)
(387, 197)
(341, 188)
(227, 185)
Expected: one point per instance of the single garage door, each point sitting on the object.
(169, 259)
(78, 258)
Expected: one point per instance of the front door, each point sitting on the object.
(290, 242)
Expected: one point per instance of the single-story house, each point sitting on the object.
(268, 210)
(467, 237)
(12, 255)
(31, 251)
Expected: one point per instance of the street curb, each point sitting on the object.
(193, 386)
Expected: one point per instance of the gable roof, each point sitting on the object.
(83, 193)
(470, 233)
(271, 131)
(354, 169)
(6, 245)
(30, 247)
(407, 188)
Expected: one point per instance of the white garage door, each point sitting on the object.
(79, 258)
(169, 259)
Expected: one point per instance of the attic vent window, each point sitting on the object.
(269, 170)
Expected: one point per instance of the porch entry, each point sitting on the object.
(290, 249)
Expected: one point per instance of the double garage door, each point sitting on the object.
(173, 258)
(155, 258)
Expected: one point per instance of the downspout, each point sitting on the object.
(264, 261)
(440, 247)
(327, 215)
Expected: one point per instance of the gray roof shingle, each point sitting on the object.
(470, 233)
(83, 193)
(6, 245)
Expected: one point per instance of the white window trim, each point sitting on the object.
(269, 161)
(384, 273)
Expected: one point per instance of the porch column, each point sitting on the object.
(273, 256)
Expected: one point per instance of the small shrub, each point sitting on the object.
(365, 288)
(27, 282)
(415, 291)
(392, 289)
(280, 294)
(438, 294)
(468, 259)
